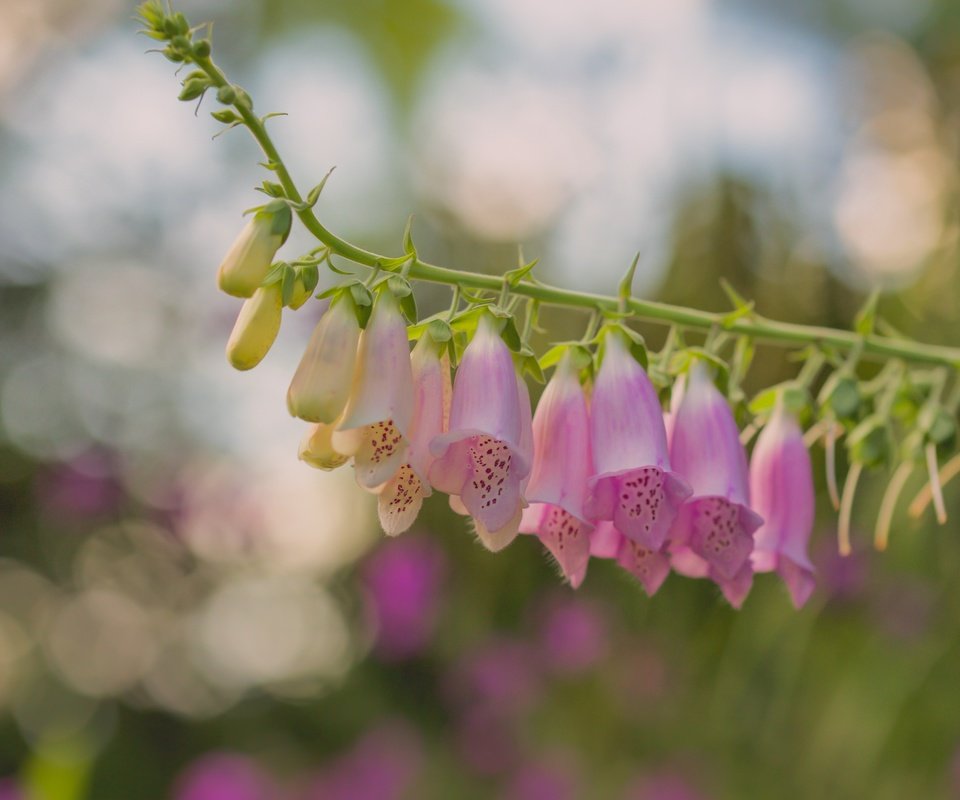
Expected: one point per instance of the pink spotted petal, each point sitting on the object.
(492, 493)
(736, 588)
(379, 451)
(685, 562)
(717, 530)
(566, 537)
(382, 378)
(497, 539)
(650, 567)
(642, 502)
(457, 506)
(399, 501)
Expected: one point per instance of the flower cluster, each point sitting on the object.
(599, 471)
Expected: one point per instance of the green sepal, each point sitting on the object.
(681, 361)
(226, 116)
(511, 336)
(514, 276)
(796, 400)
(271, 189)
(288, 285)
(408, 246)
(314, 194)
(440, 331)
(227, 95)
(635, 342)
(276, 273)
(578, 352)
(526, 363)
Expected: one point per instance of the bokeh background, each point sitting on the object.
(187, 611)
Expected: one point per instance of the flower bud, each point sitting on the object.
(248, 261)
(256, 327)
(321, 384)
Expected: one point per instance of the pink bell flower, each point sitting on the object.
(375, 423)
(781, 490)
(712, 535)
(561, 467)
(400, 499)
(633, 485)
(485, 455)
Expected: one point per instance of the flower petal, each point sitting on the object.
(496, 540)
(717, 530)
(399, 501)
(317, 450)
(651, 567)
(566, 537)
(379, 451)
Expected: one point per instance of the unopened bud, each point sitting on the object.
(226, 95)
(322, 382)
(202, 48)
(248, 261)
(256, 328)
(316, 448)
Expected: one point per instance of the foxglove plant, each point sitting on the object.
(781, 490)
(632, 485)
(561, 467)
(400, 498)
(607, 476)
(712, 535)
(375, 423)
(481, 459)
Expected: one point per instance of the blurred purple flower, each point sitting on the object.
(10, 790)
(542, 781)
(404, 581)
(86, 487)
(904, 609)
(383, 765)
(502, 674)
(663, 786)
(842, 578)
(574, 636)
(224, 776)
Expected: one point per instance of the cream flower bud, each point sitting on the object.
(256, 327)
(248, 261)
(321, 384)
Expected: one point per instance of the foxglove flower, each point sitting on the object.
(484, 457)
(561, 466)
(256, 328)
(400, 498)
(376, 420)
(247, 262)
(321, 385)
(781, 490)
(712, 535)
(633, 485)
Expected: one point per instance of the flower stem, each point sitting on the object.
(752, 325)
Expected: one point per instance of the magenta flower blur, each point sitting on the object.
(712, 535)
(633, 485)
(574, 637)
(404, 582)
(483, 459)
(561, 467)
(781, 491)
(224, 776)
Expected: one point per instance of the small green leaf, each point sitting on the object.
(408, 305)
(361, 295)
(272, 189)
(399, 285)
(737, 300)
(314, 194)
(288, 285)
(514, 276)
(408, 246)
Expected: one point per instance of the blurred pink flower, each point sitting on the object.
(224, 776)
(10, 790)
(87, 486)
(486, 740)
(573, 636)
(404, 581)
(502, 674)
(664, 786)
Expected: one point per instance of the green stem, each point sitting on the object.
(752, 325)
